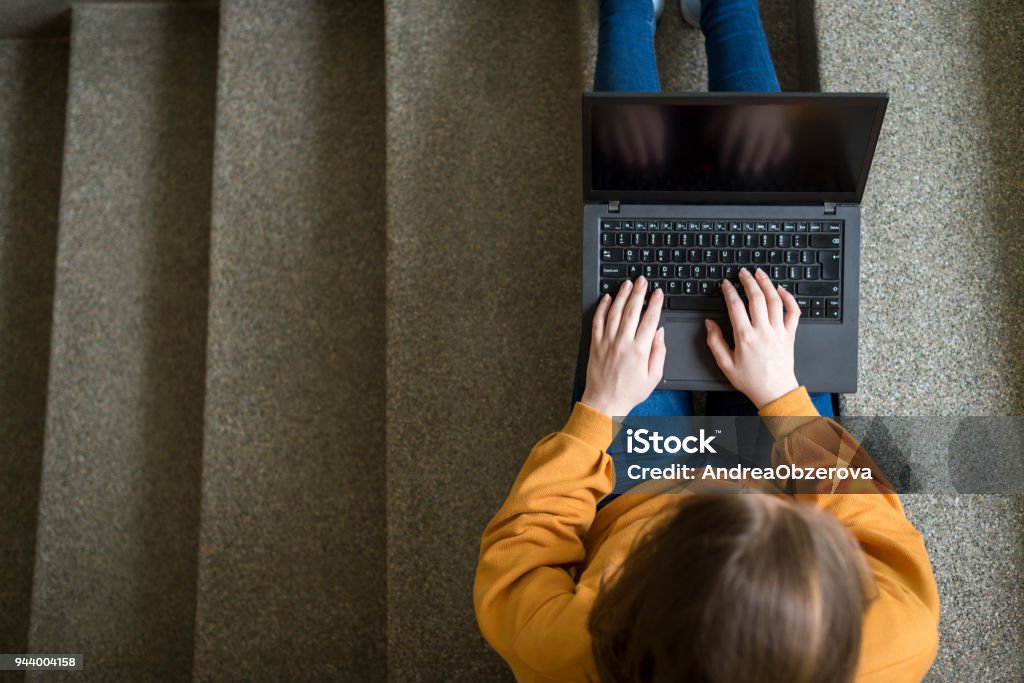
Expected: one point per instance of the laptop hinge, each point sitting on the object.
(613, 206)
(830, 208)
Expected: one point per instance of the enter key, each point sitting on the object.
(829, 261)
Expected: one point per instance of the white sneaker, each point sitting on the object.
(659, 7)
(691, 12)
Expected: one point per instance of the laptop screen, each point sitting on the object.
(729, 147)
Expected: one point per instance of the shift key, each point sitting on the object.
(817, 288)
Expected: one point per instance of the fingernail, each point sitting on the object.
(744, 270)
(726, 283)
(758, 271)
(707, 323)
(627, 284)
(641, 279)
(661, 333)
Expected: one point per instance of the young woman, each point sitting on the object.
(697, 587)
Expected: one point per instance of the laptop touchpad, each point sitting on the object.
(689, 357)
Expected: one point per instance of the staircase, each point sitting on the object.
(268, 360)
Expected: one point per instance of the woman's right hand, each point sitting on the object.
(760, 364)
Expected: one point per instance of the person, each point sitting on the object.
(808, 587)
(738, 60)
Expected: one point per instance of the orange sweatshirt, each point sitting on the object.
(543, 554)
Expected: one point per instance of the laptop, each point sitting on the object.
(686, 189)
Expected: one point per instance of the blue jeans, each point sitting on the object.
(737, 49)
(738, 60)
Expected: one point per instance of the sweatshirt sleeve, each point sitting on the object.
(900, 635)
(525, 591)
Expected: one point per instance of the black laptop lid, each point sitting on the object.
(729, 148)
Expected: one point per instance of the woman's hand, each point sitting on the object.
(761, 364)
(627, 352)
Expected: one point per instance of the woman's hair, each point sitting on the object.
(735, 588)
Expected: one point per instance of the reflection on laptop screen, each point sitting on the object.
(812, 146)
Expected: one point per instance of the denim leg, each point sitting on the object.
(735, 404)
(625, 47)
(737, 49)
(658, 404)
(729, 403)
(665, 403)
(823, 402)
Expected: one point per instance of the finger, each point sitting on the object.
(631, 314)
(600, 313)
(611, 329)
(719, 347)
(755, 298)
(734, 304)
(650, 320)
(656, 364)
(771, 299)
(792, 310)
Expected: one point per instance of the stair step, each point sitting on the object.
(292, 549)
(483, 294)
(116, 549)
(33, 80)
(949, 160)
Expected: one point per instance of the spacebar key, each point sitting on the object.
(696, 303)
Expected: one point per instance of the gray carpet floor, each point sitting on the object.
(483, 190)
(116, 552)
(291, 573)
(942, 328)
(33, 80)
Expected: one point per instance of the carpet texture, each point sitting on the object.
(942, 329)
(118, 516)
(33, 79)
(291, 561)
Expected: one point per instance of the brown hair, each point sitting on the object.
(735, 588)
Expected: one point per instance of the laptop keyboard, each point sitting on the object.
(689, 259)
